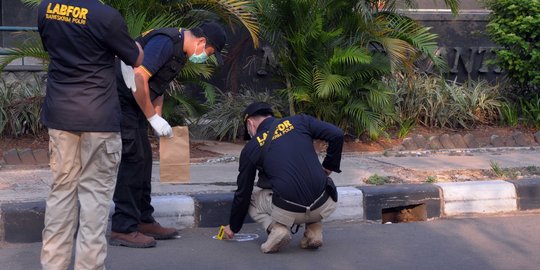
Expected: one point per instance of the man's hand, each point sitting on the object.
(228, 234)
(161, 126)
(128, 75)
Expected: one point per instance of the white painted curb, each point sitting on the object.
(478, 197)
(350, 205)
(174, 211)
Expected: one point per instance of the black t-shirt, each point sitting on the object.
(291, 163)
(82, 38)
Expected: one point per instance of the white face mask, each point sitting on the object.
(198, 58)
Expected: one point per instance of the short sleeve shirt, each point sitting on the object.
(82, 38)
(157, 52)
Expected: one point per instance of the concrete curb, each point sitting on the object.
(23, 222)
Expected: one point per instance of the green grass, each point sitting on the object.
(377, 180)
(431, 179)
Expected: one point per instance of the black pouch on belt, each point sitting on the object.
(331, 189)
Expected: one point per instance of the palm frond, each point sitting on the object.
(192, 70)
(31, 3)
(239, 11)
(328, 85)
(30, 47)
(350, 56)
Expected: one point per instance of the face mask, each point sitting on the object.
(198, 58)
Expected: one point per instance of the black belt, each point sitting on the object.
(298, 208)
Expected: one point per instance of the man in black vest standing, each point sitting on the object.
(167, 51)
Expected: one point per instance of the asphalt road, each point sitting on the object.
(502, 242)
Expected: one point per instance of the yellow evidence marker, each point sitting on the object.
(221, 232)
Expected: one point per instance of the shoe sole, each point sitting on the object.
(162, 237)
(313, 245)
(283, 242)
(116, 242)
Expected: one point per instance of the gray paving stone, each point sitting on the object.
(434, 143)
(497, 141)
(458, 141)
(522, 139)
(446, 141)
(11, 157)
(41, 156)
(420, 141)
(471, 141)
(509, 142)
(26, 156)
(409, 144)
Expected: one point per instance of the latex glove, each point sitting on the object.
(162, 128)
(129, 76)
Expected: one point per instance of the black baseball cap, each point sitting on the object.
(255, 108)
(215, 36)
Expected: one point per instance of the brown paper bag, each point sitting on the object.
(174, 157)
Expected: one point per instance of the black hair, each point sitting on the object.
(198, 33)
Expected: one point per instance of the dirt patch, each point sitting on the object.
(351, 145)
(42, 142)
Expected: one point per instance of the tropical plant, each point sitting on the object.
(436, 102)
(515, 26)
(19, 109)
(530, 111)
(224, 118)
(509, 114)
(333, 55)
(405, 127)
(144, 15)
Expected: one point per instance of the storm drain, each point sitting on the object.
(408, 213)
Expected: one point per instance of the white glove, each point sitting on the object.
(129, 76)
(162, 128)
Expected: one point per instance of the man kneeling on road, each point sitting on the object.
(296, 189)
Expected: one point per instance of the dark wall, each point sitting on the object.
(14, 13)
(462, 41)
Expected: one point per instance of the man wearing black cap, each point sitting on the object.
(296, 189)
(141, 98)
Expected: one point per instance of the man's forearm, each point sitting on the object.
(158, 105)
(142, 95)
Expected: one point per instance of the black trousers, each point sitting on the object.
(133, 184)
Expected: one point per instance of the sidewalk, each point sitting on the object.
(205, 201)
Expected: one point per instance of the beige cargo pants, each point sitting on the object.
(84, 167)
(264, 212)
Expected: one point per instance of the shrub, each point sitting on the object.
(509, 114)
(224, 118)
(515, 25)
(435, 102)
(530, 111)
(377, 180)
(431, 179)
(20, 109)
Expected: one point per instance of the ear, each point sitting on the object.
(250, 125)
(201, 40)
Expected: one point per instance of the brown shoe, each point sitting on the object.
(313, 238)
(132, 240)
(157, 231)
(279, 237)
